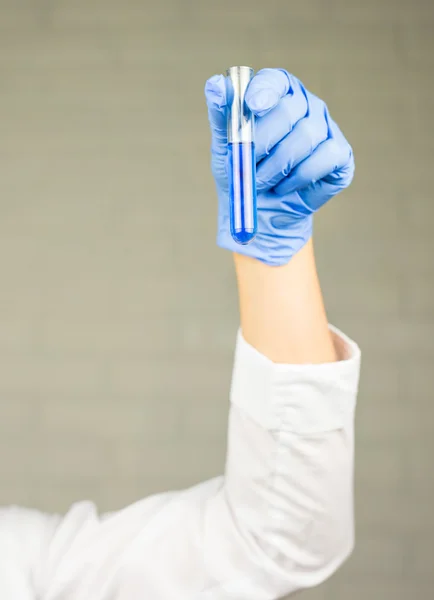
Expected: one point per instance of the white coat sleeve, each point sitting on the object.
(279, 520)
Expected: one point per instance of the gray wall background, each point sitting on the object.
(118, 313)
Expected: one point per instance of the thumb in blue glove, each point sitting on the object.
(303, 160)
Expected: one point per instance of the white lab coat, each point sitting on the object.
(279, 520)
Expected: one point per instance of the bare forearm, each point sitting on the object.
(282, 310)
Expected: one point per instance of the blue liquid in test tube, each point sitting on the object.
(242, 191)
(241, 157)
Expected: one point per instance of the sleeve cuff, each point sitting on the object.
(302, 399)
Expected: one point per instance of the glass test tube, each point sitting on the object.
(241, 157)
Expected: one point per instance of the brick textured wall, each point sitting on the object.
(118, 313)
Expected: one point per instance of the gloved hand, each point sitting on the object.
(302, 157)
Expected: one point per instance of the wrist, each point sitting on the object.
(282, 311)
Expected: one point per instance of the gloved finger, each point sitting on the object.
(318, 193)
(298, 145)
(280, 121)
(332, 160)
(265, 90)
(215, 94)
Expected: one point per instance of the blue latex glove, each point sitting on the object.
(302, 157)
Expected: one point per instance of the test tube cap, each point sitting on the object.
(240, 118)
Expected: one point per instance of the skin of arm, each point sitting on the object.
(282, 310)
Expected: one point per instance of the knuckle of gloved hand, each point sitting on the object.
(287, 166)
(351, 161)
(285, 171)
(286, 112)
(266, 71)
(342, 164)
(338, 152)
(296, 85)
(318, 114)
(291, 81)
(308, 131)
(349, 164)
(350, 174)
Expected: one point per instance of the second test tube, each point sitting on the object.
(241, 157)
